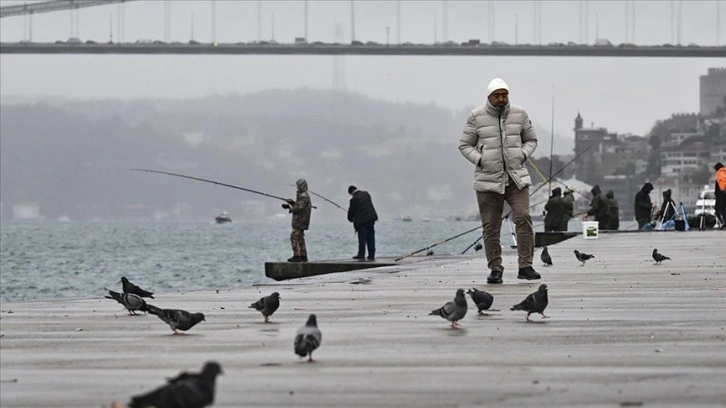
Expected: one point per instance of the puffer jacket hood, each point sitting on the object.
(596, 190)
(556, 192)
(610, 194)
(667, 195)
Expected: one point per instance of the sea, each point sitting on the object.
(44, 260)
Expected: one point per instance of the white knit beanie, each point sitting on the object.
(497, 83)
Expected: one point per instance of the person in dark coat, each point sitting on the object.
(300, 208)
(555, 208)
(362, 214)
(599, 208)
(720, 192)
(643, 206)
(569, 200)
(614, 211)
(668, 208)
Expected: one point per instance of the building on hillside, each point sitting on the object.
(713, 91)
(610, 154)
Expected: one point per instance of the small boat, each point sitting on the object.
(222, 217)
(406, 218)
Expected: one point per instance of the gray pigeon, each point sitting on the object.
(308, 338)
(129, 287)
(267, 305)
(130, 301)
(187, 390)
(658, 257)
(536, 302)
(545, 257)
(453, 311)
(582, 257)
(482, 299)
(177, 319)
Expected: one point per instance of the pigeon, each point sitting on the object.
(482, 299)
(130, 301)
(478, 247)
(582, 257)
(187, 390)
(177, 319)
(658, 257)
(308, 338)
(131, 288)
(453, 311)
(545, 257)
(536, 302)
(267, 305)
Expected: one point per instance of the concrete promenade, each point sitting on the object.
(623, 332)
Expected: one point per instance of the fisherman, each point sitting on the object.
(599, 207)
(556, 209)
(644, 207)
(300, 210)
(569, 200)
(614, 211)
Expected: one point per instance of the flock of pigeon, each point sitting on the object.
(583, 257)
(189, 390)
(196, 390)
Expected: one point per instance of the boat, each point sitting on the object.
(406, 218)
(222, 217)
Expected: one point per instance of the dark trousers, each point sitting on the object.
(367, 237)
(720, 207)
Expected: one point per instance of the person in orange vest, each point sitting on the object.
(720, 193)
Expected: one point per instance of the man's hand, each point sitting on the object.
(584, 217)
(286, 206)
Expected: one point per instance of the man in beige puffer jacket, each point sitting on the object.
(498, 138)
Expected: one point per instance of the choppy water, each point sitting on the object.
(46, 260)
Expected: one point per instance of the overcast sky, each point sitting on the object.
(626, 95)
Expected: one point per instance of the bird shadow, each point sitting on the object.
(460, 331)
(534, 321)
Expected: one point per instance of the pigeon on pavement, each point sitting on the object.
(482, 299)
(453, 311)
(130, 301)
(545, 257)
(187, 390)
(658, 257)
(129, 287)
(308, 338)
(267, 305)
(177, 319)
(536, 302)
(582, 257)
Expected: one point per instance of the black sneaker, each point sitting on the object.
(359, 257)
(495, 276)
(528, 273)
(371, 258)
(294, 259)
(302, 259)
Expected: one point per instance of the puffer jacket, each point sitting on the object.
(498, 145)
(302, 208)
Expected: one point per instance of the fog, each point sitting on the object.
(626, 95)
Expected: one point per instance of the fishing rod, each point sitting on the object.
(330, 201)
(211, 181)
(438, 243)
